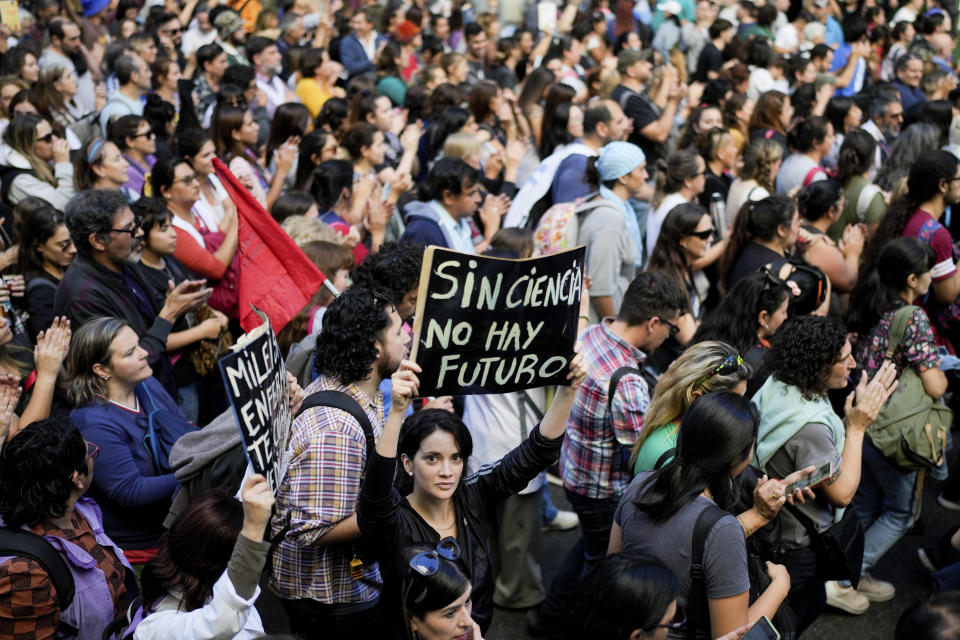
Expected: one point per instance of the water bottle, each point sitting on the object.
(718, 212)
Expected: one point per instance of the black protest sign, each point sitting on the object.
(256, 383)
(488, 325)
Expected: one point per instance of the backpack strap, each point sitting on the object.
(666, 455)
(524, 402)
(865, 198)
(337, 400)
(811, 175)
(151, 439)
(18, 542)
(898, 328)
(611, 393)
(343, 401)
(698, 609)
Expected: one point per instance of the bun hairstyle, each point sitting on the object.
(672, 172)
(817, 198)
(808, 134)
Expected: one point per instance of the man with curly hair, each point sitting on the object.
(322, 583)
(811, 355)
(394, 271)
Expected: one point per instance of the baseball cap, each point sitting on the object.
(630, 57)
(228, 22)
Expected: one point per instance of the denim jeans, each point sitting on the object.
(596, 519)
(190, 401)
(885, 503)
(807, 596)
(549, 509)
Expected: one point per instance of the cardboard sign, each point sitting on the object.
(10, 14)
(256, 382)
(488, 325)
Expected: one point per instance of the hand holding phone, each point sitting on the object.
(822, 472)
(762, 629)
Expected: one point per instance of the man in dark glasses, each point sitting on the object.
(101, 282)
(604, 424)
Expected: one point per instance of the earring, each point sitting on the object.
(105, 378)
(410, 473)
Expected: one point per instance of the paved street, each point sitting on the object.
(899, 566)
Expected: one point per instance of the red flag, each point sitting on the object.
(274, 273)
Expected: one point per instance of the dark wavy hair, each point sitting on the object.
(716, 434)
(393, 270)
(329, 180)
(879, 291)
(803, 350)
(417, 428)
(623, 593)
(36, 470)
(428, 593)
(91, 212)
(310, 145)
(735, 320)
(34, 229)
(813, 284)
(195, 552)
(926, 174)
(352, 326)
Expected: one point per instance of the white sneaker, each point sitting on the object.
(846, 598)
(875, 590)
(563, 521)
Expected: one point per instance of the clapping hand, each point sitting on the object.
(864, 404)
(52, 346)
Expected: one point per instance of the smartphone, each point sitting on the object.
(762, 630)
(820, 474)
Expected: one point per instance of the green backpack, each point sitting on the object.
(911, 430)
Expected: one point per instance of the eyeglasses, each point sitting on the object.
(188, 179)
(93, 452)
(729, 366)
(47, 138)
(149, 133)
(676, 625)
(172, 32)
(132, 230)
(703, 235)
(674, 329)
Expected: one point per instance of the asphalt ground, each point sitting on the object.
(900, 566)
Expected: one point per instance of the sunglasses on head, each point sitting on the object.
(427, 563)
(728, 367)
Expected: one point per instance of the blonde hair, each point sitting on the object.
(460, 145)
(674, 392)
(302, 230)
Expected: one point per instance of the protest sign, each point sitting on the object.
(489, 325)
(256, 383)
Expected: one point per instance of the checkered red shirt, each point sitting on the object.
(320, 489)
(589, 450)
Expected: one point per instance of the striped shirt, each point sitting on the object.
(589, 451)
(321, 487)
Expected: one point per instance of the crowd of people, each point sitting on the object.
(767, 329)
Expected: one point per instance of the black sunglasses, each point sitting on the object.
(146, 134)
(47, 138)
(703, 235)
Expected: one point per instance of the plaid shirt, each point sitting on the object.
(321, 487)
(589, 450)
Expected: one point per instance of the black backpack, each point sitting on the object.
(26, 544)
(623, 462)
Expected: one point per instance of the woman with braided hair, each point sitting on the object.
(761, 162)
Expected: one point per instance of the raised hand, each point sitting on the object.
(864, 404)
(9, 396)
(578, 368)
(295, 391)
(52, 347)
(405, 386)
(257, 504)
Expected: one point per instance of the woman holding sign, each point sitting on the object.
(433, 500)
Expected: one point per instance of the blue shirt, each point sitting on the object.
(834, 35)
(840, 58)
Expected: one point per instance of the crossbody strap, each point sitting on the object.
(898, 328)
(698, 608)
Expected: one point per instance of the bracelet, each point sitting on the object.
(743, 524)
(587, 318)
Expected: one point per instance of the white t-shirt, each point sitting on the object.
(787, 38)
